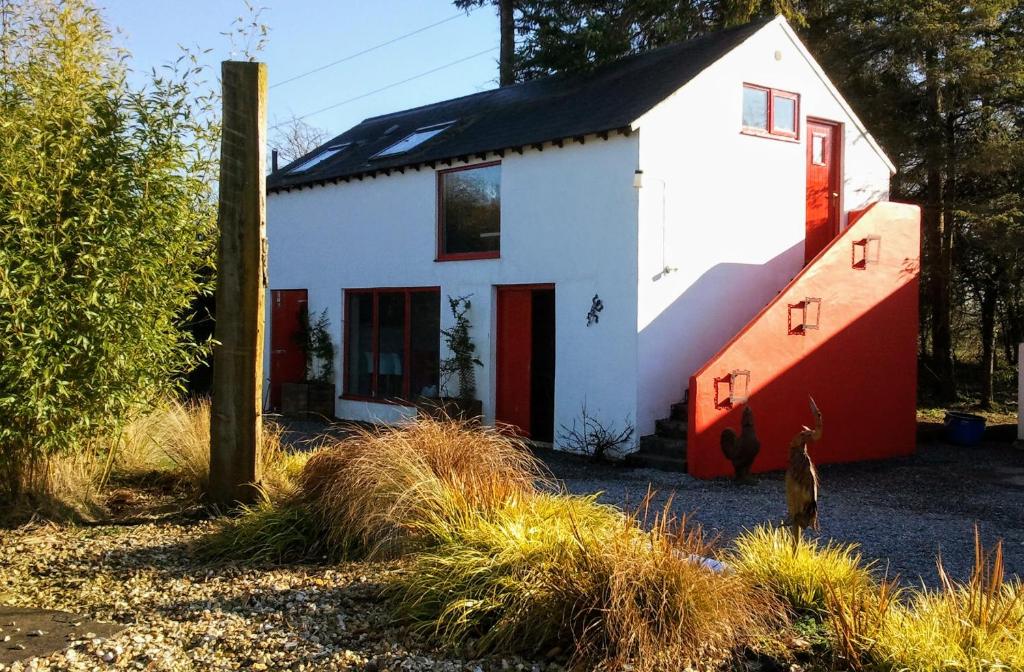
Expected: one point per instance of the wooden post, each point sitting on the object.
(236, 421)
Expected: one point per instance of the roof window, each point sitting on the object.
(413, 140)
(318, 158)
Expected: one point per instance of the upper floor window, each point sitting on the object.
(469, 212)
(413, 140)
(769, 111)
(319, 158)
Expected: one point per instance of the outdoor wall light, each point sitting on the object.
(638, 178)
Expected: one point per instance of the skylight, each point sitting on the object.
(317, 159)
(413, 140)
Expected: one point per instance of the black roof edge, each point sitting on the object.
(372, 172)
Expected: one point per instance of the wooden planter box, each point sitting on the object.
(308, 400)
(451, 407)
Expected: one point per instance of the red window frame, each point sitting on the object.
(460, 256)
(376, 292)
(772, 131)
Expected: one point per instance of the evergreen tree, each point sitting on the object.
(938, 83)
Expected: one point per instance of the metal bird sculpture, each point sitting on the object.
(802, 479)
(741, 450)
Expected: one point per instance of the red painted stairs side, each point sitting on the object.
(859, 364)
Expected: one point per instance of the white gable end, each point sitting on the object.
(723, 213)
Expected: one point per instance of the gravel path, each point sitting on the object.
(182, 614)
(901, 512)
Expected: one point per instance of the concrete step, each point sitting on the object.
(643, 460)
(678, 411)
(670, 429)
(664, 446)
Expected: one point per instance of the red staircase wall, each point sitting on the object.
(860, 364)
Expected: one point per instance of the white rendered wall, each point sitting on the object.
(734, 215)
(568, 217)
(1020, 392)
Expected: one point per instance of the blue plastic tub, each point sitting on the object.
(964, 429)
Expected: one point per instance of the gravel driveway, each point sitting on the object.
(901, 511)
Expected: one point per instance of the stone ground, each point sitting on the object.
(166, 610)
(902, 512)
(174, 612)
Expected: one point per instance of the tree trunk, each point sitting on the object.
(506, 69)
(988, 344)
(938, 238)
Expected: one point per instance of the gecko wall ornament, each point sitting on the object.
(596, 306)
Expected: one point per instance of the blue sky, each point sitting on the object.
(307, 34)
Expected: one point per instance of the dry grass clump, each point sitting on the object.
(63, 487)
(663, 609)
(552, 571)
(169, 444)
(379, 489)
(173, 442)
(805, 578)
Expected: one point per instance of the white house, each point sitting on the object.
(677, 190)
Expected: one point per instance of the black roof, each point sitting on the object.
(607, 98)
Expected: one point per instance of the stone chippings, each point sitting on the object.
(180, 614)
(900, 512)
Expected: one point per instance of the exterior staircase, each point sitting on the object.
(666, 448)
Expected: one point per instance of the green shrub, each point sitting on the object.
(106, 233)
(805, 578)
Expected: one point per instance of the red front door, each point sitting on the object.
(514, 357)
(287, 361)
(824, 140)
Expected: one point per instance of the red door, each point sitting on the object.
(824, 140)
(287, 361)
(514, 357)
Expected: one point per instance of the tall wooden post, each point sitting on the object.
(236, 421)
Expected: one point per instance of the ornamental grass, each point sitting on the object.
(552, 572)
(805, 578)
(381, 490)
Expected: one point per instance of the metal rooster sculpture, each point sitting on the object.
(802, 479)
(743, 449)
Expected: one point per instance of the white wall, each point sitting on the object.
(734, 214)
(1020, 393)
(568, 217)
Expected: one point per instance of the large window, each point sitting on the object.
(770, 112)
(469, 212)
(392, 343)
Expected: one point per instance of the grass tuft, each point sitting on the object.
(267, 532)
(971, 626)
(173, 443)
(559, 572)
(380, 489)
(805, 578)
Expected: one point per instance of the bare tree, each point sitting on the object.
(294, 138)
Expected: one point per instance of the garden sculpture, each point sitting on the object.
(802, 479)
(741, 450)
